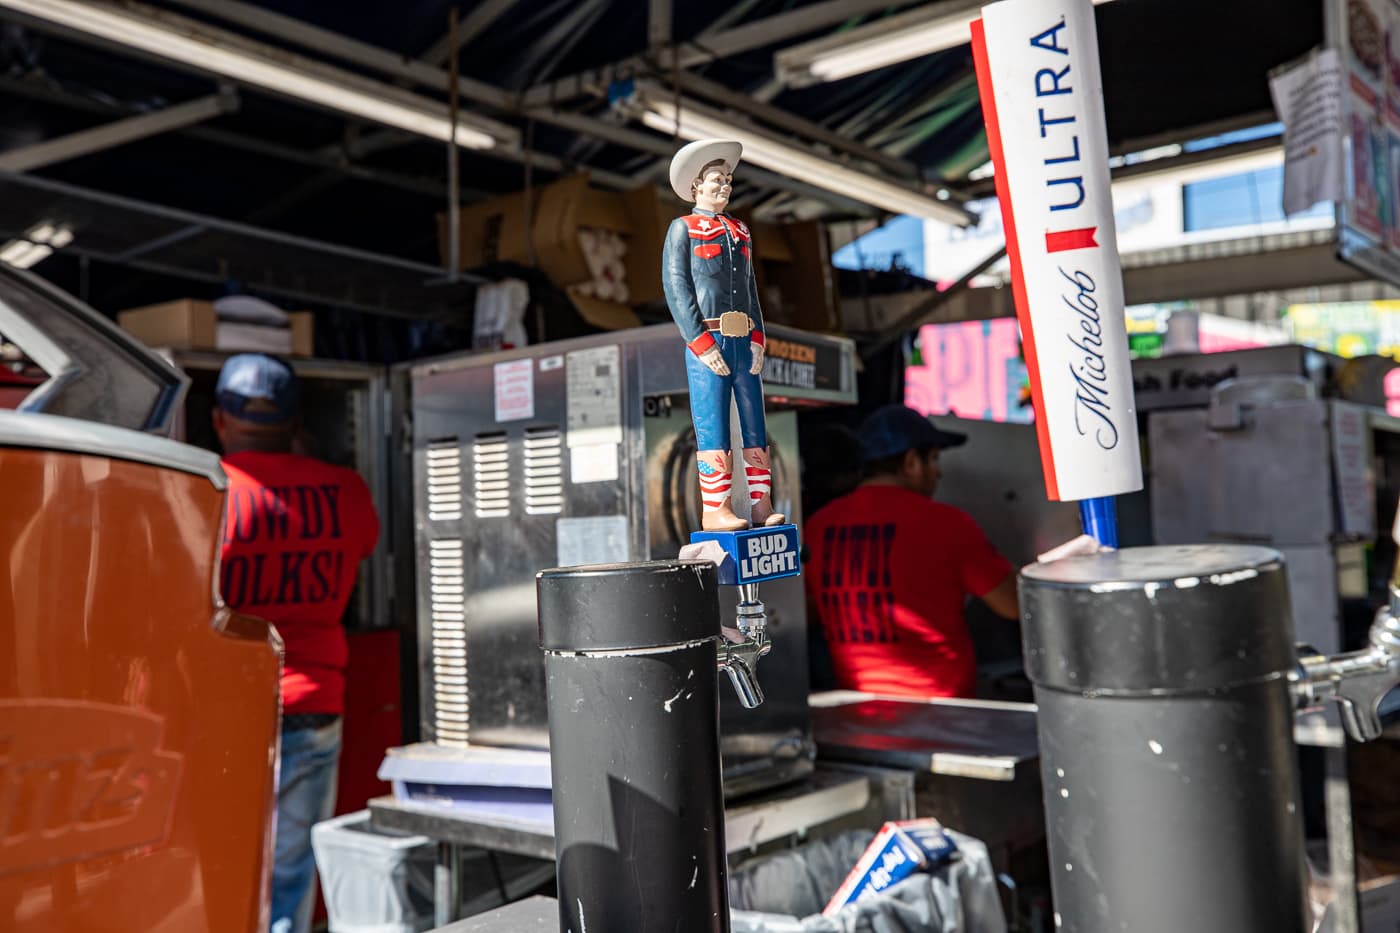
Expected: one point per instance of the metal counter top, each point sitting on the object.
(961, 738)
(825, 796)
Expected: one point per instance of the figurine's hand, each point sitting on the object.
(715, 361)
(757, 366)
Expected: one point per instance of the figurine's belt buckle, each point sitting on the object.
(735, 324)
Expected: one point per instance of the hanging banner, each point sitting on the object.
(1365, 35)
(1042, 99)
(1307, 96)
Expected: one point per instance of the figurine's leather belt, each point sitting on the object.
(731, 324)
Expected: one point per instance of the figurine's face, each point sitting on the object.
(713, 186)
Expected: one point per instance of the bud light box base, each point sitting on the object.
(506, 783)
(755, 554)
(898, 850)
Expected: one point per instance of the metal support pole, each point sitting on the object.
(630, 662)
(1341, 843)
(447, 884)
(1163, 681)
(454, 259)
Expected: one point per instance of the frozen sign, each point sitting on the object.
(1042, 98)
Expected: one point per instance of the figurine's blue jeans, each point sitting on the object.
(710, 394)
(305, 796)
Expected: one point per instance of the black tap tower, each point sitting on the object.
(630, 671)
(1162, 677)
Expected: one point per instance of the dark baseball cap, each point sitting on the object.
(257, 387)
(893, 429)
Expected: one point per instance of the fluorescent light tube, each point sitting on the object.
(875, 45)
(340, 91)
(814, 169)
(36, 245)
(22, 254)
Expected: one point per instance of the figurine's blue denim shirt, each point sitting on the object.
(707, 269)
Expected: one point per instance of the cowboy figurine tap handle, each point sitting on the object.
(707, 273)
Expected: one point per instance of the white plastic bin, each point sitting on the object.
(373, 881)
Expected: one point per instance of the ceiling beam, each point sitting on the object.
(306, 36)
(790, 122)
(774, 29)
(664, 148)
(117, 133)
(927, 310)
(196, 46)
(715, 45)
(233, 140)
(483, 14)
(80, 194)
(659, 24)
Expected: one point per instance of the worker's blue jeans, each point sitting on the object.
(305, 797)
(709, 397)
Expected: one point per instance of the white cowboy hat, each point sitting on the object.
(692, 157)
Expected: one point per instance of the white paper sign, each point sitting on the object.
(1356, 494)
(1038, 72)
(593, 463)
(593, 388)
(601, 539)
(515, 390)
(1308, 99)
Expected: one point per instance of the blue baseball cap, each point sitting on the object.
(257, 387)
(891, 430)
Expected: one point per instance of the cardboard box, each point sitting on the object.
(489, 231)
(303, 327)
(188, 324)
(182, 325)
(898, 850)
(609, 315)
(795, 277)
(495, 230)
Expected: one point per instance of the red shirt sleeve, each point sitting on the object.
(981, 568)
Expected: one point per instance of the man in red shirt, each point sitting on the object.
(295, 533)
(890, 569)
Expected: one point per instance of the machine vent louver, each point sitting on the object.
(443, 462)
(544, 471)
(491, 475)
(447, 605)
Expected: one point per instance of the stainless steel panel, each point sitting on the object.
(1268, 482)
(1312, 589)
(997, 479)
(517, 482)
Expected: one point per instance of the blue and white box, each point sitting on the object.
(755, 554)
(898, 850)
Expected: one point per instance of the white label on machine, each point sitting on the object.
(515, 390)
(593, 463)
(551, 363)
(1356, 494)
(600, 539)
(1038, 71)
(594, 386)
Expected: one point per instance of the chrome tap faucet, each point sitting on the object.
(1357, 680)
(741, 648)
